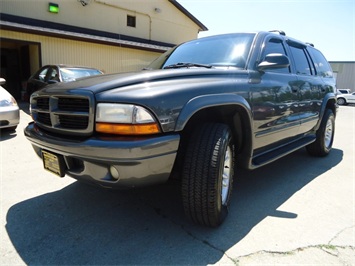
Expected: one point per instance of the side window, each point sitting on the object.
(53, 75)
(42, 75)
(301, 62)
(275, 46)
(322, 66)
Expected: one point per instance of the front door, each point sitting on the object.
(274, 102)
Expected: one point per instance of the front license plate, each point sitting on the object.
(53, 163)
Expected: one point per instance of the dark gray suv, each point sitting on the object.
(196, 113)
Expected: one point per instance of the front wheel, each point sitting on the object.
(341, 101)
(324, 136)
(208, 173)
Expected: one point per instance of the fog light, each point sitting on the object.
(114, 173)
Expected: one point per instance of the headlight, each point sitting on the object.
(125, 119)
(8, 101)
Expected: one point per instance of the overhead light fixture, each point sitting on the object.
(53, 7)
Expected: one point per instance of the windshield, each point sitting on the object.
(70, 74)
(229, 50)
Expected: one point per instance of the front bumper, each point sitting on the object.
(138, 161)
(9, 117)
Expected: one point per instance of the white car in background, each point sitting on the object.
(344, 91)
(344, 99)
(9, 110)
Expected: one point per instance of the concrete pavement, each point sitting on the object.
(299, 210)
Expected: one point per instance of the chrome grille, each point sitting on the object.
(75, 105)
(43, 103)
(64, 114)
(44, 118)
(73, 122)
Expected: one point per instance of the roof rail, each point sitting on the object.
(281, 32)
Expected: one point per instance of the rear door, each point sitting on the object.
(310, 86)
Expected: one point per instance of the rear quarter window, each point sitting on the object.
(322, 66)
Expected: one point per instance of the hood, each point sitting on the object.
(162, 92)
(101, 83)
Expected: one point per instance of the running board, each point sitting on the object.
(277, 153)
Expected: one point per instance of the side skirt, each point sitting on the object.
(274, 154)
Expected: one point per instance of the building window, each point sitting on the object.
(131, 21)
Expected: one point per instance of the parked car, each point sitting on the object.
(9, 110)
(58, 73)
(196, 113)
(343, 91)
(344, 99)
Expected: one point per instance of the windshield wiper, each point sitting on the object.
(187, 65)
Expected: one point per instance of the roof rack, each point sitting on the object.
(311, 44)
(281, 32)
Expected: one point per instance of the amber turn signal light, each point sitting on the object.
(128, 129)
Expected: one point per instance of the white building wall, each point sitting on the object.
(157, 20)
(159, 25)
(110, 59)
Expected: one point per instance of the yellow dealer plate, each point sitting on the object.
(53, 163)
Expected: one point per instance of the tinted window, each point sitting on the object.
(275, 46)
(53, 75)
(42, 74)
(301, 63)
(70, 74)
(227, 50)
(321, 64)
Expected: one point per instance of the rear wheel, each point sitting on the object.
(208, 173)
(324, 136)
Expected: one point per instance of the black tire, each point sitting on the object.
(324, 136)
(341, 101)
(209, 155)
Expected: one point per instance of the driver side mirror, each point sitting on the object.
(273, 61)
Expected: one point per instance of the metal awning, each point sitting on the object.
(80, 36)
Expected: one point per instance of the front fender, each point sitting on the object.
(243, 122)
(205, 101)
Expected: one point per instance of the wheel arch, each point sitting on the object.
(229, 109)
(329, 102)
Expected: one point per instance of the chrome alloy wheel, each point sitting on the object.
(226, 175)
(328, 133)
